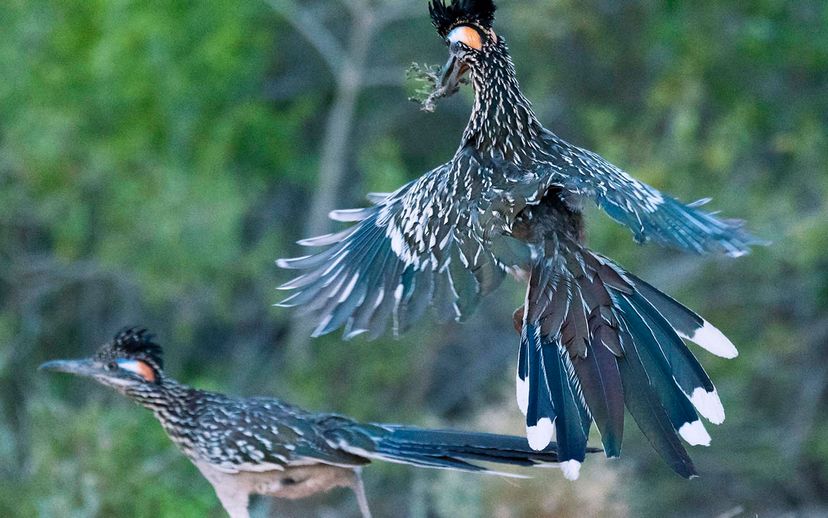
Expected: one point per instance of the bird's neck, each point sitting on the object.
(178, 408)
(170, 401)
(502, 120)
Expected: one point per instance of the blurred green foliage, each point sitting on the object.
(89, 461)
(155, 157)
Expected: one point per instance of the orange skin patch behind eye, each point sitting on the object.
(467, 36)
(140, 368)
(145, 371)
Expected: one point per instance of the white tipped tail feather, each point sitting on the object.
(571, 469)
(522, 390)
(540, 435)
(695, 434)
(709, 405)
(713, 340)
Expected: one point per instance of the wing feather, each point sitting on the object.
(421, 245)
(648, 213)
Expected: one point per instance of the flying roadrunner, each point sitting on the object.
(264, 446)
(594, 337)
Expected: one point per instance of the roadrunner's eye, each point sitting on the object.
(138, 367)
(467, 36)
(111, 366)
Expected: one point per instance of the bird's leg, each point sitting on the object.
(230, 489)
(234, 500)
(359, 491)
(517, 319)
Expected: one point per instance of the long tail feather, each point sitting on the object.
(443, 449)
(604, 394)
(686, 323)
(645, 348)
(646, 410)
(546, 375)
(540, 411)
(571, 435)
(685, 368)
(596, 339)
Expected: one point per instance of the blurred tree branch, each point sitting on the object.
(314, 31)
(348, 64)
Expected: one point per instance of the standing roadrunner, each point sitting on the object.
(594, 337)
(263, 446)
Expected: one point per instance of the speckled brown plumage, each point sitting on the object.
(594, 338)
(265, 446)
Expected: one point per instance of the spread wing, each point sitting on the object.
(650, 214)
(421, 245)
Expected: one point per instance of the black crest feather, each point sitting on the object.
(461, 12)
(138, 342)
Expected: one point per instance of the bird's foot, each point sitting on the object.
(517, 320)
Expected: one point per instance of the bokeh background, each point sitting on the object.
(156, 157)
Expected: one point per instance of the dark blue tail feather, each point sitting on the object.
(596, 339)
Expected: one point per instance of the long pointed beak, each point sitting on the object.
(83, 367)
(451, 76)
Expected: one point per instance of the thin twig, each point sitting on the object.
(309, 26)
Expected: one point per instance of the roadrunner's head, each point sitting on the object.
(466, 28)
(131, 363)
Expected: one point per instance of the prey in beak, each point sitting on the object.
(465, 45)
(436, 82)
(452, 76)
